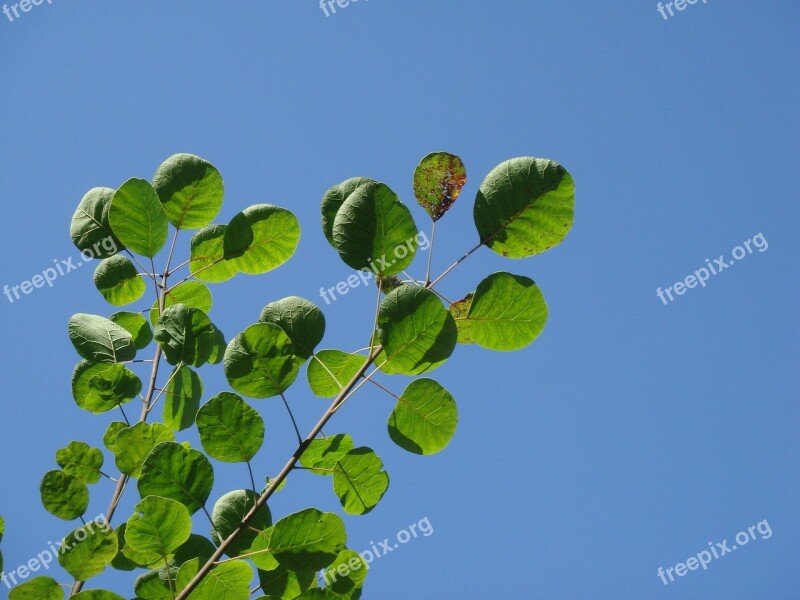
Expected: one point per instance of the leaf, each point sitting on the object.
(196, 546)
(190, 189)
(64, 495)
(308, 540)
(374, 230)
(186, 335)
(417, 333)
(158, 527)
(525, 206)
(360, 481)
(40, 588)
(82, 461)
(346, 575)
(152, 585)
(330, 370)
(261, 362)
(191, 293)
(101, 387)
(208, 262)
(438, 180)
(320, 594)
(459, 310)
(182, 399)
(425, 418)
(508, 312)
(177, 473)
(118, 281)
(88, 550)
(90, 230)
(334, 198)
(138, 218)
(100, 340)
(230, 430)
(322, 454)
(300, 319)
(110, 436)
(97, 595)
(136, 325)
(228, 581)
(133, 444)
(282, 584)
(228, 514)
(261, 238)
(122, 562)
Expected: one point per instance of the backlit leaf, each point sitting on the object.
(88, 550)
(360, 481)
(425, 418)
(261, 361)
(208, 262)
(230, 430)
(182, 399)
(178, 473)
(64, 495)
(81, 460)
(190, 189)
(330, 370)
(261, 238)
(118, 280)
(438, 180)
(100, 387)
(138, 218)
(158, 527)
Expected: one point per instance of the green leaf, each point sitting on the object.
(82, 461)
(525, 206)
(308, 540)
(186, 335)
(334, 198)
(346, 575)
(228, 514)
(138, 218)
(322, 454)
(190, 293)
(417, 333)
(330, 370)
(228, 581)
(118, 280)
(261, 362)
(110, 436)
(134, 444)
(64, 495)
(88, 550)
(360, 481)
(320, 594)
(100, 387)
(196, 546)
(152, 585)
(261, 238)
(158, 527)
(374, 230)
(282, 584)
(177, 473)
(459, 310)
(90, 230)
(182, 399)
(230, 430)
(425, 418)
(208, 262)
(508, 312)
(100, 340)
(136, 325)
(97, 595)
(40, 588)
(302, 321)
(122, 562)
(438, 180)
(191, 190)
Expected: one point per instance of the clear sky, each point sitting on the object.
(630, 435)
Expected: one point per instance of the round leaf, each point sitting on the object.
(177, 473)
(525, 206)
(90, 230)
(133, 444)
(190, 189)
(261, 238)
(100, 340)
(64, 495)
(228, 581)
(186, 335)
(438, 180)
(182, 399)
(360, 481)
(82, 461)
(417, 333)
(322, 454)
(334, 198)
(228, 513)
(40, 588)
(158, 527)
(374, 230)
(230, 430)
(136, 325)
(138, 218)
(208, 262)
(308, 540)
(302, 321)
(425, 418)
(100, 387)
(88, 550)
(330, 370)
(118, 280)
(261, 362)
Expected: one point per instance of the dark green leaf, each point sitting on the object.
(90, 230)
(261, 361)
(186, 335)
(182, 399)
(228, 514)
(100, 340)
(302, 321)
(334, 198)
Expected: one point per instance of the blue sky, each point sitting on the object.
(629, 436)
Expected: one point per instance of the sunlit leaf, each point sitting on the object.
(136, 325)
(190, 293)
(118, 280)
(322, 454)
(459, 310)
(425, 418)
(158, 527)
(261, 362)
(360, 481)
(438, 180)
(64, 495)
(133, 444)
(302, 321)
(88, 550)
(261, 238)
(100, 387)
(207, 262)
(178, 473)
(308, 540)
(281, 583)
(81, 460)
(182, 399)
(346, 575)
(138, 218)
(230, 430)
(227, 581)
(330, 370)
(40, 588)
(190, 189)
(97, 595)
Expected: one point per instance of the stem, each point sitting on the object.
(296, 428)
(453, 266)
(262, 500)
(430, 255)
